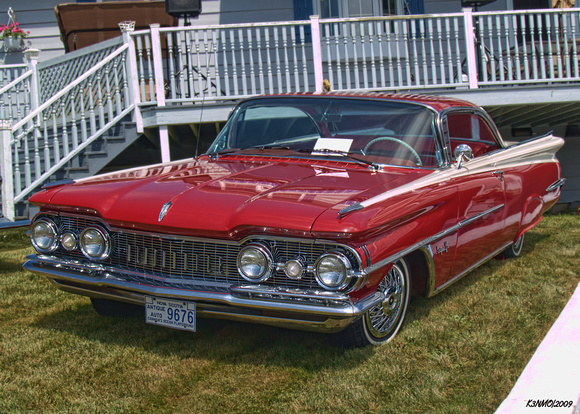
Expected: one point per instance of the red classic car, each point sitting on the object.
(322, 212)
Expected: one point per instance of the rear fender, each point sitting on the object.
(531, 215)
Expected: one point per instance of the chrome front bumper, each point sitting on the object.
(317, 311)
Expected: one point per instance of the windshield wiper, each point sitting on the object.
(265, 147)
(216, 154)
(324, 151)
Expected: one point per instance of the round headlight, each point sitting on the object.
(294, 269)
(255, 262)
(332, 271)
(44, 235)
(95, 243)
(68, 241)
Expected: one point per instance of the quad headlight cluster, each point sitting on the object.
(332, 270)
(94, 241)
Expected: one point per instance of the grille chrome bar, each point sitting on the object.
(192, 263)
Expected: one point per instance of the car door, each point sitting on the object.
(481, 192)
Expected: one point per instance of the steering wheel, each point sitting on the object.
(403, 143)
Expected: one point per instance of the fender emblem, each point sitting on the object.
(444, 249)
(164, 210)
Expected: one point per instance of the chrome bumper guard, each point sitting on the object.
(316, 310)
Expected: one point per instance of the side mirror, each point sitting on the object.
(463, 152)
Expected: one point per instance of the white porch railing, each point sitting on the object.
(57, 125)
(14, 91)
(472, 50)
(56, 108)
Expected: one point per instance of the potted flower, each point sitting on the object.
(12, 36)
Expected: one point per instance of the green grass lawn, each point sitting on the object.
(458, 352)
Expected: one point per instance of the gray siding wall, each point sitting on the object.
(454, 6)
(36, 16)
(251, 11)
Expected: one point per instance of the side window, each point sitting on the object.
(471, 129)
(469, 126)
(459, 126)
(483, 129)
(352, 8)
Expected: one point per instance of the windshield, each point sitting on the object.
(383, 132)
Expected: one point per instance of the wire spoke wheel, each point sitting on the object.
(383, 319)
(381, 322)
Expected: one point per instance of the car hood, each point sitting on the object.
(226, 197)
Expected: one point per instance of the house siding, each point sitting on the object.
(454, 6)
(251, 11)
(37, 17)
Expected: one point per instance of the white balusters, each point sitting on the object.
(423, 52)
(432, 54)
(441, 53)
(573, 19)
(251, 48)
(304, 60)
(382, 69)
(326, 28)
(363, 53)
(269, 72)
(565, 45)
(415, 56)
(373, 68)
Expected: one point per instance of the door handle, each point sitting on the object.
(499, 174)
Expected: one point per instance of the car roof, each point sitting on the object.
(438, 103)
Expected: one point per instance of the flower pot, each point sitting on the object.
(12, 43)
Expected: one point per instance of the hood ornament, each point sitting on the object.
(164, 210)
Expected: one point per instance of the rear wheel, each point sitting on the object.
(107, 307)
(382, 322)
(515, 249)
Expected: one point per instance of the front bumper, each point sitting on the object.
(317, 311)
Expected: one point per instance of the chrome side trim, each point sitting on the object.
(469, 269)
(430, 240)
(540, 150)
(555, 185)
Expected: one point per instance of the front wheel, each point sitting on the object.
(382, 322)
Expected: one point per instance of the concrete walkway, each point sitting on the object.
(550, 383)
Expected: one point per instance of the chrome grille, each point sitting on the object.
(192, 263)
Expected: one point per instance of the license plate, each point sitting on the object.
(177, 314)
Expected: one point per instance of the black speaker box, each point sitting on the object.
(178, 8)
(475, 3)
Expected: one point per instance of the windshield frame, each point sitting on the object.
(227, 141)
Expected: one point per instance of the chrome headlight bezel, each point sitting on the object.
(103, 251)
(255, 262)
(52, 243)
(338, 273)
(295, 268)
(68, 241)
